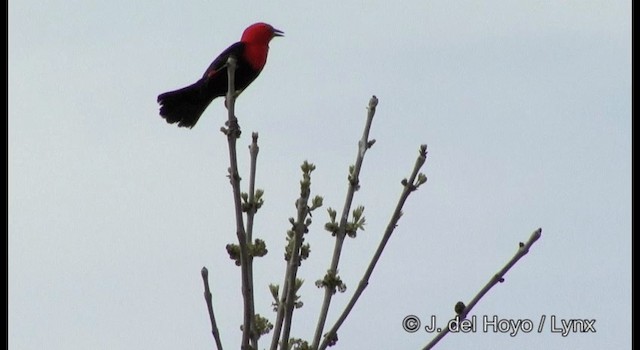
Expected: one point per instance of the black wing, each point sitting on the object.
(220, 62)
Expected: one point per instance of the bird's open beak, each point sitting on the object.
(277, 32)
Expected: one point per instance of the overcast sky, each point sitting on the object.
(525, 107)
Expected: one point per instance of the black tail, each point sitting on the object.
(185, 106)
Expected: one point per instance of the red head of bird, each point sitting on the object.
(260, 34)
(256, 39)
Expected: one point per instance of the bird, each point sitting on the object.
(185, 106)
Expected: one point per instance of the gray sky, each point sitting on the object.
(525, 106)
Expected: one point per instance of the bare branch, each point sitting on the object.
(409, 187)
(233, 133)
(523, 249)
(354, 175)
(207, 297)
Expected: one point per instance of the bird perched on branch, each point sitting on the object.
(186, 105)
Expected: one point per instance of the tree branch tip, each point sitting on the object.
(254, 136)
(536, 234)
(204, 272)
(373, 102)
(532, 239)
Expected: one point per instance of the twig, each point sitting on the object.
(363, 145)
(495, 279)
(251, 212)
(294, 263)
(212, 317)
(253, 152)
(287, 300)
(233, 133)
(409, 186)
(277, 329)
